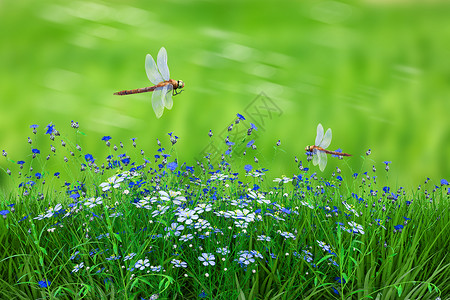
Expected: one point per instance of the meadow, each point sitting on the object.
(143, 225)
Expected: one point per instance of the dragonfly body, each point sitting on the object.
(311, 149)
(175, 84)
(163, 87)
(319, 150)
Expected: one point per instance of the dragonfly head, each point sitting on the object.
(180, 84)
(308, 149)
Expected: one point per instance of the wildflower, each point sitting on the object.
(78, 267)
(207, 259)
(249, 144)
(246, 258)
(35, 151)
(178, 263)
(187, 216)
(240, 117)
(248, 168)
(210, 134)
(44, 283)
(4, 213)
(356, 227)
(106, 138)
(444, 182)
(92, 202)
(186, 237)
(50, 129)
(142, 264)
(172, 166)
(113, 181)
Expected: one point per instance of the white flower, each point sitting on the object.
(92, 202)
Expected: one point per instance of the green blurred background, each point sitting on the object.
(377, 73)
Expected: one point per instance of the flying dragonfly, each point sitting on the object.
(319, 149)
(163, 87)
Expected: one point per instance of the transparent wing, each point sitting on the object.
(152, 71)
(162, 64)
(322, 160)
(315, 157)
(168, 102)
(319, 135)
(326, 139)
(158, 102)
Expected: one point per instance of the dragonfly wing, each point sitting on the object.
(152, 71)
(319, 135)
(168, 101)
(315, 157)
(158, 101)
(326, 139)
(322, 160)
(162, 64)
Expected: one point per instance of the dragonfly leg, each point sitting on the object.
(174, 92)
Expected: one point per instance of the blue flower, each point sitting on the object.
(444, 182)
(398, 227)
(34, 126)
(172, 166)
(50, 128)
(253, 126)
(387, 162)
(249, 144)
(240, 117)
(248, 168)
(106, 138)
(20, 162)
(35, 151)
(386, 189)
(44, 283)
(89, 158)
(38, 175)
(339, 177)
(337, 150)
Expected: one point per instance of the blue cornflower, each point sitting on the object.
(172, 166)
(253, 126)
(444, 182)
(249, 144)
(50, 128)
(398, 227)
(44, 283)
(89, 158)
(4, 213)
(386, 189)
(355, 175)
(34, 126)
(38, 175)
(240, 117)
(339, 177)
(106, 138)
(387, 162)
(248, 168)
(35, 151)
(20, 162)
(57, 174)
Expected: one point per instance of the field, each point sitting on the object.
(134, 225)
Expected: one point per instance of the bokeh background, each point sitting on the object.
(376, 72)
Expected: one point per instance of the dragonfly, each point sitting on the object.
(319, 149)
(164, 87)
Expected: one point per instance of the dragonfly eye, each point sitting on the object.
(180, 84)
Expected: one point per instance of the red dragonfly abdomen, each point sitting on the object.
(332, 152)
(136, 91)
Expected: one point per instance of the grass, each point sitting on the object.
(138, 226)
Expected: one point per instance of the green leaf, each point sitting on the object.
(118, 237)
(81, 132)
(399, 290)
(43, 250)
